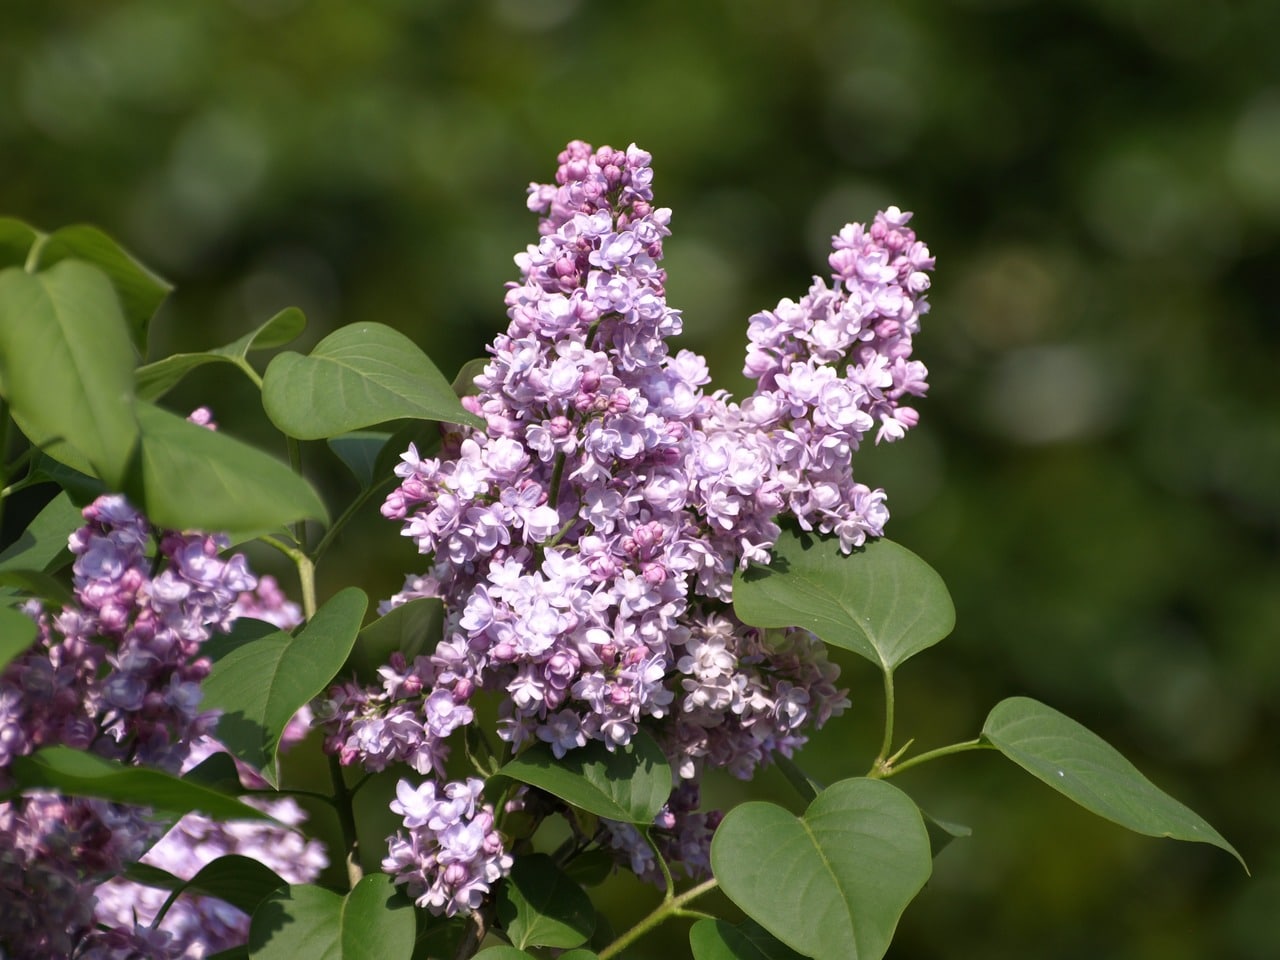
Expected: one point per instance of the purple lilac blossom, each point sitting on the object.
(118, 672)
(450, 855)
(584, 542)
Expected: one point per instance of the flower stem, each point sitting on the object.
(671, 906)
(889, 769)
(882, 758)
(347, 820)
(306, 573)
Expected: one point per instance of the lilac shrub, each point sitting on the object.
(584, 543)
(118, 672)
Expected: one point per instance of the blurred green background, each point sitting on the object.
(1097, 472)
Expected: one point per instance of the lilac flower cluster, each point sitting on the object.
(116, 672)
(451, 855)
(197, 926)
(584, 543)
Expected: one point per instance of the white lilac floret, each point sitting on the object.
(118, 672)
(584, 542)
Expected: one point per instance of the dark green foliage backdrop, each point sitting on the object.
(1097, 476)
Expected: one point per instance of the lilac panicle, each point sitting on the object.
(118, 672)
(584, 542)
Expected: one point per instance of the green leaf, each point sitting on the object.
(412, 628)
(43, 544)
(539, 906)
(503, 952)
(372, 922)
(16, 240)
(718, 940)
(259, 685)
(154, 380)
(140, 290)
(80, 487)
(17, 633)
(67, 367)
(580, 954)
(882, 601)
(359, 375)
(187, 477)
(238, 880)
(217, 772)
(37, 584)
(941, 833)
(359, 450)
(590, 869)
(630, 784)
(464, 384)
(83, 774)
(833, 882)
(1085, 768)
(803, 784)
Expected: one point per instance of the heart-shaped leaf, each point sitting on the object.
(503, 952)
(140, 290)
(882, 601)
(260, 685)
(359, 375)
(66, 363)
(83, 774)
(187, 477)
(539, 906)
(718, 940)
(1085, 768)
(372, 922)
(629, 784)
(832, 883)
(154, 380)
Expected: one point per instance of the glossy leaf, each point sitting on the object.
(719, 940)
(360, 375)
(412, 628)
(261, 684)
(17, 633)
(539, 906)
(1085, 768)
(187, 477)
(882, 601)
(372, 922)
(83, 774)
(832, 883)
(154, 380)
(630, 784)
(43, 544)
(68, 367)
(140, 291)
(359, 450)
